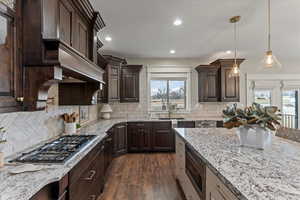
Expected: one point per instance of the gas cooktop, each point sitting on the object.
(57, 151)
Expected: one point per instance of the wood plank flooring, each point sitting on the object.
(142, 177)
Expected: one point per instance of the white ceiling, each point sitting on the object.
(144, 28)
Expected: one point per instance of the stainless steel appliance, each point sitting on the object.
(57, 151)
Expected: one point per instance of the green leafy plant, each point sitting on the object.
(78, 126)
(266, 117)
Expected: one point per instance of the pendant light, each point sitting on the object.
(235, 72)
(270, 61)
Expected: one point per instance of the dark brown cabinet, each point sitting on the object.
(186, 124)
(66, 19)
(130, 78)
(208, 78)
(120, 139)
(73, 29)
(163, 138)
(139, 137)
(230, 87)
(10, 65)
(215, 83)
(111, 77)
(86, 179)
(108, 152)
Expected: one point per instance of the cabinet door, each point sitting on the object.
(130, 84)
(114, 83)
(134, 136)
(66, 17)
(108, 153)
(230, 86)
(208, 85)
(10, 68)
(81, 37)
(139, 137)
(120, 139)
(163, 138)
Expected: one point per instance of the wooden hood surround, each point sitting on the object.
(60, 40)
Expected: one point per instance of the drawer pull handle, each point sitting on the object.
(92, 197)
(109, 139)
(120, 126)
(91, 176)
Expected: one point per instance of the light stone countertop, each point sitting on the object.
(270, 174)
(23, 186)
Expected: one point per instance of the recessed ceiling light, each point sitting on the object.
(228, 52)
(177, 22)
(108, 38)
(172, 51)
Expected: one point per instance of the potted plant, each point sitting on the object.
(254, 124)
(2, 141)
(70, 123)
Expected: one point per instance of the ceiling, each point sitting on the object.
(144, 28)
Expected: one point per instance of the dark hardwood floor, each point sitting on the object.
(142, 177)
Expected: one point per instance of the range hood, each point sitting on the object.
(48, 55)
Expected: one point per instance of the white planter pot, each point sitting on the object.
(2, 136)
(254, 136)
(70, 128)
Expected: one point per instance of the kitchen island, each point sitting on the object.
(270, 174)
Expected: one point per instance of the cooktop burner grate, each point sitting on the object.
(57, 151)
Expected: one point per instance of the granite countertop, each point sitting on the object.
(23, 186)
(270, 174)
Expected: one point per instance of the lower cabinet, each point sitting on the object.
(139, 137)
(108, 152)
(186, 124)
(120, 139)
(150, 137)
(163, 137)
(86, 178)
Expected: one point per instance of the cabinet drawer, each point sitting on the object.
(82, 187)
(82, 166)
(162, 125)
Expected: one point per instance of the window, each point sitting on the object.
(165, 92)
(290, 108)
(263, 97)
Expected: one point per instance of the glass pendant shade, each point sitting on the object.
(235, 72)
(270, 61)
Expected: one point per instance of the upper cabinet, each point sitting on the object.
(10, 65)
(111, 77)
(66, 19)
(208, 88)
(215, 83)
(60, 45)
(130, 83)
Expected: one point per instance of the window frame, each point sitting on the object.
(168, 80)
(174, 72)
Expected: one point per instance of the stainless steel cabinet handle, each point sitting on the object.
(91, 176)
(120, 126)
